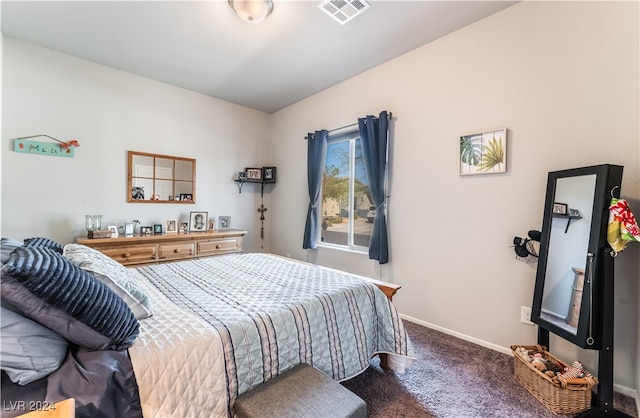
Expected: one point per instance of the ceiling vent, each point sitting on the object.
(343, 10)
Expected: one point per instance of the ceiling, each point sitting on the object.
(203, 46)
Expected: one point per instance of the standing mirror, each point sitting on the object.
(567, 294)
(155, 178)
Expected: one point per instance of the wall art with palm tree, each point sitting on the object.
(483, 153)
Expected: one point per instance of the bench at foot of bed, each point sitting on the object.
(300, 392)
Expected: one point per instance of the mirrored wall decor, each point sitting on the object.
(155, 178)
(567, 294)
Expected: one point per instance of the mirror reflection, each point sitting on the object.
(155, 178)
(567, 251)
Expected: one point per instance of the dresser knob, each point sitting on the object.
(217, 246)
(177, 250)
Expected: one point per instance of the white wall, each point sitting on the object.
(562, 77)
(110, 112)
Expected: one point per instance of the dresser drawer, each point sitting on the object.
(218, 246)
(133, 254)
(175, 251)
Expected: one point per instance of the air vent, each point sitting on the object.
(343, 10)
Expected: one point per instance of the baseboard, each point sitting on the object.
(465, 337)
(618, 388)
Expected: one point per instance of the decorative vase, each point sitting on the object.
(93, 223)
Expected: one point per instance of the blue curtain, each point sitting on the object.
(316, 147)
(374, 133)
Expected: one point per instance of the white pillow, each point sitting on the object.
(28, 351)
(113, 274)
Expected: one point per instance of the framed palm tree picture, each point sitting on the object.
(483, 153)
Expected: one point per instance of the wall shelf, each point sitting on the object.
(261, 182)
(568, 218)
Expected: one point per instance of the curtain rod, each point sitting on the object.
(348, 126)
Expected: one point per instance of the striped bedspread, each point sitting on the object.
(263, 315)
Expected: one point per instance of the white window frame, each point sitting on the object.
(352, 136)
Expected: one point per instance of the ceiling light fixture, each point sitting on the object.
(252, 11)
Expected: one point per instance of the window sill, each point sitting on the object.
(356, 250)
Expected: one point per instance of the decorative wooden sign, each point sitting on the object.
(43, 148)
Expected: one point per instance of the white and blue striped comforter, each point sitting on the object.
(265, 314)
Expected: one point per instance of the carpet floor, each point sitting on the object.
(453, 378)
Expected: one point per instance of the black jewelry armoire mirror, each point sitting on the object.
(567, 294)
(574, 291)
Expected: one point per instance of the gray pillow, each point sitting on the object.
(28, 351)
(7, 245)
(53, 291)
(113, 274)
(44, 242)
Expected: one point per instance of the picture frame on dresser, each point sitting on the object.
(114, 231)
(171, 226)
(198, 221)
(184, 227)
(128, 228)
(224, 223)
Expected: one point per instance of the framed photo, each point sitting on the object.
(224, 223)
(560, 208)
(242, 175)
(128, 228)
(253, 173)
(483, 153)
(269, 174)
(186, 197)
(114, 231)
(198, 221)
(184, 227)
(157, 229)
(146, 230)
(172, 226)
(212, 224)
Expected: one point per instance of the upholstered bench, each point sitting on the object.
(300, 392)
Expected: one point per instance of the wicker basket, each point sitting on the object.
(571, 399)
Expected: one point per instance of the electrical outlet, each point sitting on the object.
(525, 315)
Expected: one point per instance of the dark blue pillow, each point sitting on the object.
(44, 242)
(51, 290)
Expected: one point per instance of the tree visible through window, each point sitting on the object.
(347, 212)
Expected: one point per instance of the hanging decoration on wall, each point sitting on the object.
(483, 153)
(527, 249)
(262, 210)
(58, 149)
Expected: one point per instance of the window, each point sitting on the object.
(347, 211)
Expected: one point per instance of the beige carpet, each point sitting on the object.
(453, 378)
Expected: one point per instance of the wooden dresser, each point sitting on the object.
(148, 249)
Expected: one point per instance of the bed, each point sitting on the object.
(220, 326)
